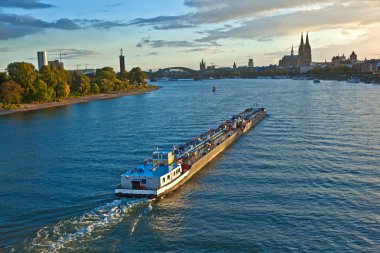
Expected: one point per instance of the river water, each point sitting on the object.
(306, 179)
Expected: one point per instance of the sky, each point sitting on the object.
(168, 33)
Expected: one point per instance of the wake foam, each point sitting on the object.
(71, 233)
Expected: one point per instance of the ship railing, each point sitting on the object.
(213, 134)
(201, 143)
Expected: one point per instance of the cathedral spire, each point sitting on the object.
(302, 39)
(307, 38)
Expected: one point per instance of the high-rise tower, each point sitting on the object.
(42, 59)
(122, 61)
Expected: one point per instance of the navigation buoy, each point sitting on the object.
(213, 89)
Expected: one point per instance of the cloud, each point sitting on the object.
(172, 43)
(277, 53)
(112, 5)
(98, 23)
(213, 12)
(24, 4)
(263, 20)
(71, 53)
(173, 26)
(16, 26)
(9, 31)
(206, 50)
(162, 22)
(265, 28)
(7, 49)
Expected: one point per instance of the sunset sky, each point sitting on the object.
(156, 34)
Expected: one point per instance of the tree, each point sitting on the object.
(43, 93)
(80, 83)
(105, 73)
(137, 76)
(48, 75)
(24, 74)
(119, 85)
(123, 75)
(95, 88)
(11, 93)
(106, 86)
(105, 78)
(62, 90)
(4, 77)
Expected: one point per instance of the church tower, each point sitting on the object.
(301, 51)
(202, 66)
(304, 52)
(307, 51)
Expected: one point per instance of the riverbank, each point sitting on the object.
(82, 99)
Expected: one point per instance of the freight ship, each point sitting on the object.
(168, 169)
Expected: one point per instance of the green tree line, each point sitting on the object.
(22, 83)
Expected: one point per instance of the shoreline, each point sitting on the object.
(76, 100)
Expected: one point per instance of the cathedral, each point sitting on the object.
(302, 59)
(202, 66)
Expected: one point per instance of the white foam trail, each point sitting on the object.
(144, 213)
(67, 233)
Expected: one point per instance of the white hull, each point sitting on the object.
(152, 193)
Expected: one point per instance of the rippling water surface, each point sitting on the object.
(306, 179)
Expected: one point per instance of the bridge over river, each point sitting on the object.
(175, 73)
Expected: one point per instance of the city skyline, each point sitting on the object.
(181, 33)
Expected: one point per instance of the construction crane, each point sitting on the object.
(80, 65)
(60, 56)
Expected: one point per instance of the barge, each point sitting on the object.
(169, 169)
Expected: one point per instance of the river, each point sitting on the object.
(306, 179)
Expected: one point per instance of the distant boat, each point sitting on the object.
(213, 89)
(353, 80)
(316, 81)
